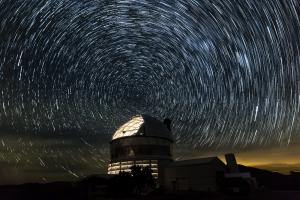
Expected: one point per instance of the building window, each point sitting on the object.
(115, 168)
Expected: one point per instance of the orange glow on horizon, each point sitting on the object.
(278, 159)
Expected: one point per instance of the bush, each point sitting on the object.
(139, 180)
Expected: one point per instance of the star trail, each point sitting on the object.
(227, 73)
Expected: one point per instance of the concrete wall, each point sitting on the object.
(200, 177)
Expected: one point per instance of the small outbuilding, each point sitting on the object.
(193, 175)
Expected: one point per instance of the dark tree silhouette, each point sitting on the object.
(142, 178)
(121, 184)
(136, 182)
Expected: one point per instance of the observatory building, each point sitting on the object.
(143, 141)
(146, 141)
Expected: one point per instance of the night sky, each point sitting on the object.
(227, 73)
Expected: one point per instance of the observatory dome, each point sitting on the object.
(143, 125)
(144, 141)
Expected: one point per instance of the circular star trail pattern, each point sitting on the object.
(225, 72)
